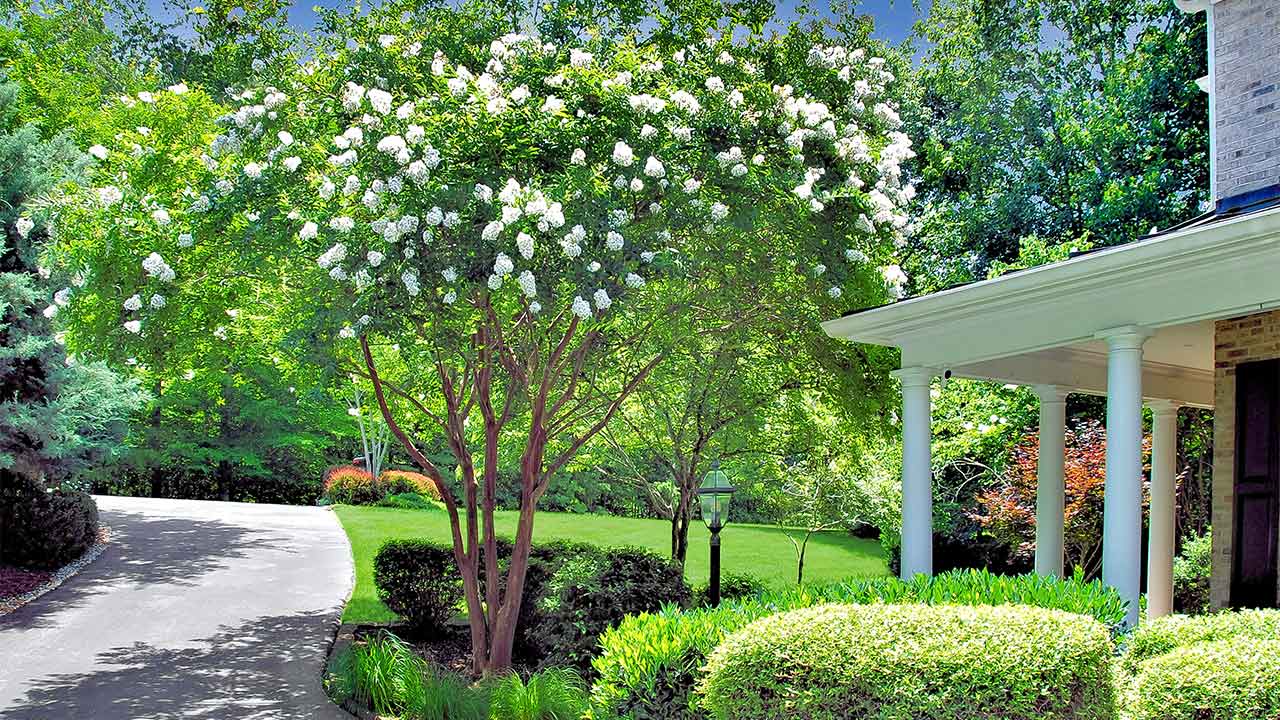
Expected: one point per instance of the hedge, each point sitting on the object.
(886, 662)
(647, 665)
(1234, 679)
(1163, 635)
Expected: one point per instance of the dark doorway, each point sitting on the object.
(1257, 516)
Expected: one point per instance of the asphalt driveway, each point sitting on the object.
(195, 609)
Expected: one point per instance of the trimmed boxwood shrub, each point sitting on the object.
(419, 581)
(1235, 679)
(913, 661)
(647, 666)
(44, 528)
(1163, 635)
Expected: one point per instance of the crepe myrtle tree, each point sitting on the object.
(507, 212)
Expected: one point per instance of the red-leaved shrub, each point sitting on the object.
(350, 485)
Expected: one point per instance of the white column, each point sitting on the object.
(1050, 492)
(1122, 509)
(917, 472)
(1164, 458)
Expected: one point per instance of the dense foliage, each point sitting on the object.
(595, 591)
(1192, 570)
(1054, 124)
(648, 665)
(57, 417)
(889, 661)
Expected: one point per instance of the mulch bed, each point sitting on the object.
(18, 581)
(19, 587)
(449, 649)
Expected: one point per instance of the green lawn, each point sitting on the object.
(760, 550)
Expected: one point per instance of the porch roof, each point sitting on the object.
(1042, 325)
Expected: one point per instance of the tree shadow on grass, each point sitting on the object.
(265, 668)
(148, 550)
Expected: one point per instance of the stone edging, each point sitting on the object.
(63, 573)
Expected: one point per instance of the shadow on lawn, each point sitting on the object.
(265, 668)
(146, 550)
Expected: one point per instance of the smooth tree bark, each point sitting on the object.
(499, 377)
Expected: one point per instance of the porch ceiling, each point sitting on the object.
(1041, 326)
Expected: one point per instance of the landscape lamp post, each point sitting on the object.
(715, 492)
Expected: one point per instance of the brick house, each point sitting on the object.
(1185, 317)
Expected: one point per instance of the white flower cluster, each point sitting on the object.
(156, 267)
(397, 213)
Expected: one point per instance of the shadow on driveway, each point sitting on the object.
(147, 550)
(261, 669)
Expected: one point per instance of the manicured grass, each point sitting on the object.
(759, 550)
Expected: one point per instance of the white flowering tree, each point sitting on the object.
(498, 214)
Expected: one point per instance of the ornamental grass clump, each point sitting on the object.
(887, 662)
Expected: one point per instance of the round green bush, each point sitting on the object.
(419, 581)
(44, 528)
(1235, 679)
(1162, 635)
(892, 662)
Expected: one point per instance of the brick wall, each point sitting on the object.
(1246, 42)
(1238, 340)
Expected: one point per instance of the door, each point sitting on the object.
(1257, 521)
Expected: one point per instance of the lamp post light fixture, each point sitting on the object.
(714, 493)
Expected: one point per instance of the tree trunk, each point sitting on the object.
(681, 516)
(804, 545)
(224, 434)
(153, 422)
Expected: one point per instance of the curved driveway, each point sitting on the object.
(195, 609)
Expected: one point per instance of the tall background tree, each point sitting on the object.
(1072, 123)
(57, 417)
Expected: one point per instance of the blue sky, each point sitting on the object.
(893, 18)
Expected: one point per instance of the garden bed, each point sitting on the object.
(19, 586)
